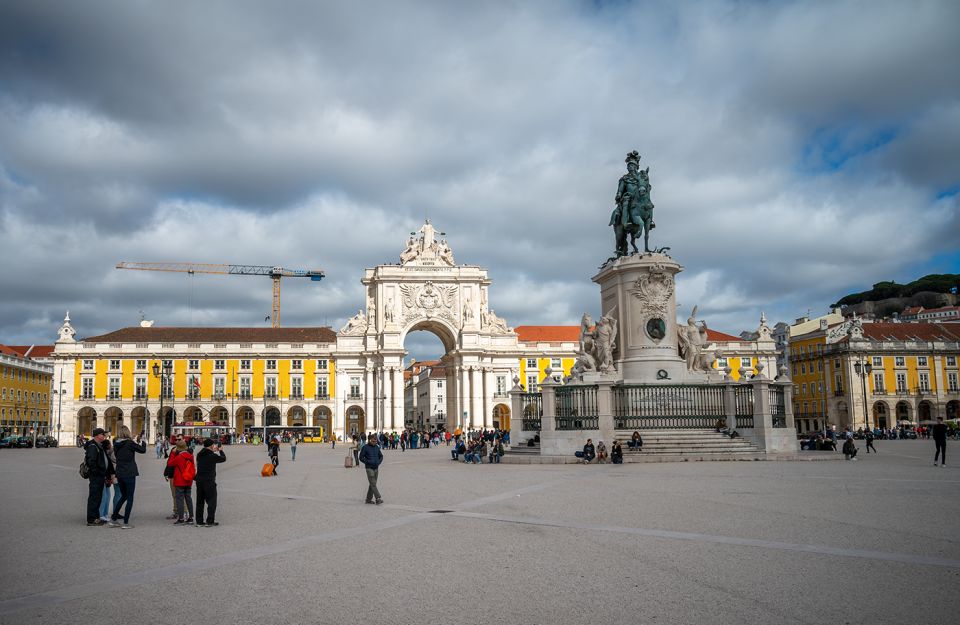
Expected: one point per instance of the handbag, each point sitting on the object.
(168, 471)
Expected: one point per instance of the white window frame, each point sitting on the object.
(952, 381)
(901, 382)
(140, 387)
(323, 387)
(556, 364)
(219, 364)
(219, 387)
(245, 364)
(878, 361)
(533, 382)
(923, 381)
(114, 365)
(899, 361)
(193, 364)
(270, 386)
(951, 361)
(323, 364)
(878, 381)
(141, 365)
(113, 387)
(270, 365)
(296, 387)
(532, 363)
(922, 361)
(246, 387)
(86, 388)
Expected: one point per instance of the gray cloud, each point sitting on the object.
(798, 151)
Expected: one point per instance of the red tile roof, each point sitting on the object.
(9, 351)
(548, 334)
(720, 337)
(216, 335)
(912, 331)
(38, 351)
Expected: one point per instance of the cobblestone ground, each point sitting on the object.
(873, 541)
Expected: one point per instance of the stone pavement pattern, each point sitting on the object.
(699, 542)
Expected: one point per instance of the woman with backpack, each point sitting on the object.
(124, 449)
(184, 470)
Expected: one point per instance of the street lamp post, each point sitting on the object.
(863, 369)
(162, 375)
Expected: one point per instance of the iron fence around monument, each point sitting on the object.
(778, 407)
(662, 406)
(576, 408)
(743, 396)
(532, 411)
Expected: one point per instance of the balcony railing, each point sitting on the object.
(270, 395)
(244, 395)
(323, 397)
(296, 395)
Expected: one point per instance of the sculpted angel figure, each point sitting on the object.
(356, 323)
(411, 252)
(692, 340)
(605, 339)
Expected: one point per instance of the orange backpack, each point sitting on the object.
(267, 470)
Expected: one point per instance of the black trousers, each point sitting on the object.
(94, 497)
(206, 495)
(941, 451)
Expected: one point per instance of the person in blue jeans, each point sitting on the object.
(111, 492)
(124, 450)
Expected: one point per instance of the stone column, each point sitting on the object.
(730, 404)
(606, 423)
(548, 429)
(386, 393)
(486, 398)
(463, 392)
(399, 413)
(368, 400)
(476, 419)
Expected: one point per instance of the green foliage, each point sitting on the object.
(936, 283)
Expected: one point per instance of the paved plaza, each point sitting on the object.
(873, 541)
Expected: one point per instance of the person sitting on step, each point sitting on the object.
(636, 441)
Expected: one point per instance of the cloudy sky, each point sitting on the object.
(798, 151)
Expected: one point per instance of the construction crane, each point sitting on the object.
(275, 274)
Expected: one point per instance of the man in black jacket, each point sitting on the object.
(371, 457)
(206, 479)
(940, 440)
(100, 468)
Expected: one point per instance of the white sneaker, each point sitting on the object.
(126, 526)
(934, 464)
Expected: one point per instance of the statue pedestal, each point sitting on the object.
(641, 289)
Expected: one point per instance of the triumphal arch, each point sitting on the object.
(425, 290)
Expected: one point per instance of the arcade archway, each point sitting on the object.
(322, 417)
(113, 419)
(86, 420)
(501, 417)
(356, 421)
(296, 416)
(271, 416)
(880, 415)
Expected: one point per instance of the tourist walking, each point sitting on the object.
(125, 450)
(273, 450)
(869, 437)
(355, 449)
(184, 472)
(371, 456)
(293, 448)
(159, 447)
(940, 440)
(207, 460)
(99, 469)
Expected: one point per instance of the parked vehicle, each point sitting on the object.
(46, 441)
(10, 442)
(25, 442)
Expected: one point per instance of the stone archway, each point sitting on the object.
(428, 292)
(501, 417)
(113, 419)
(356, 421)
(322, 417)
(86, 420)
(138, 420)
(925, 411)
(903, 411)
(953, 409)
(296, 416)
(880, 415)
(193, 413)
(271, 416)
(245, 419)
(220, 414)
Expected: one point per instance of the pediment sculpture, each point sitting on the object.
(357, 324)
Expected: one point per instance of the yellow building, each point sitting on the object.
(25, 390)
(235, 379)
(864, 374)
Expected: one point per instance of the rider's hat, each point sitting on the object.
(633, 157)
